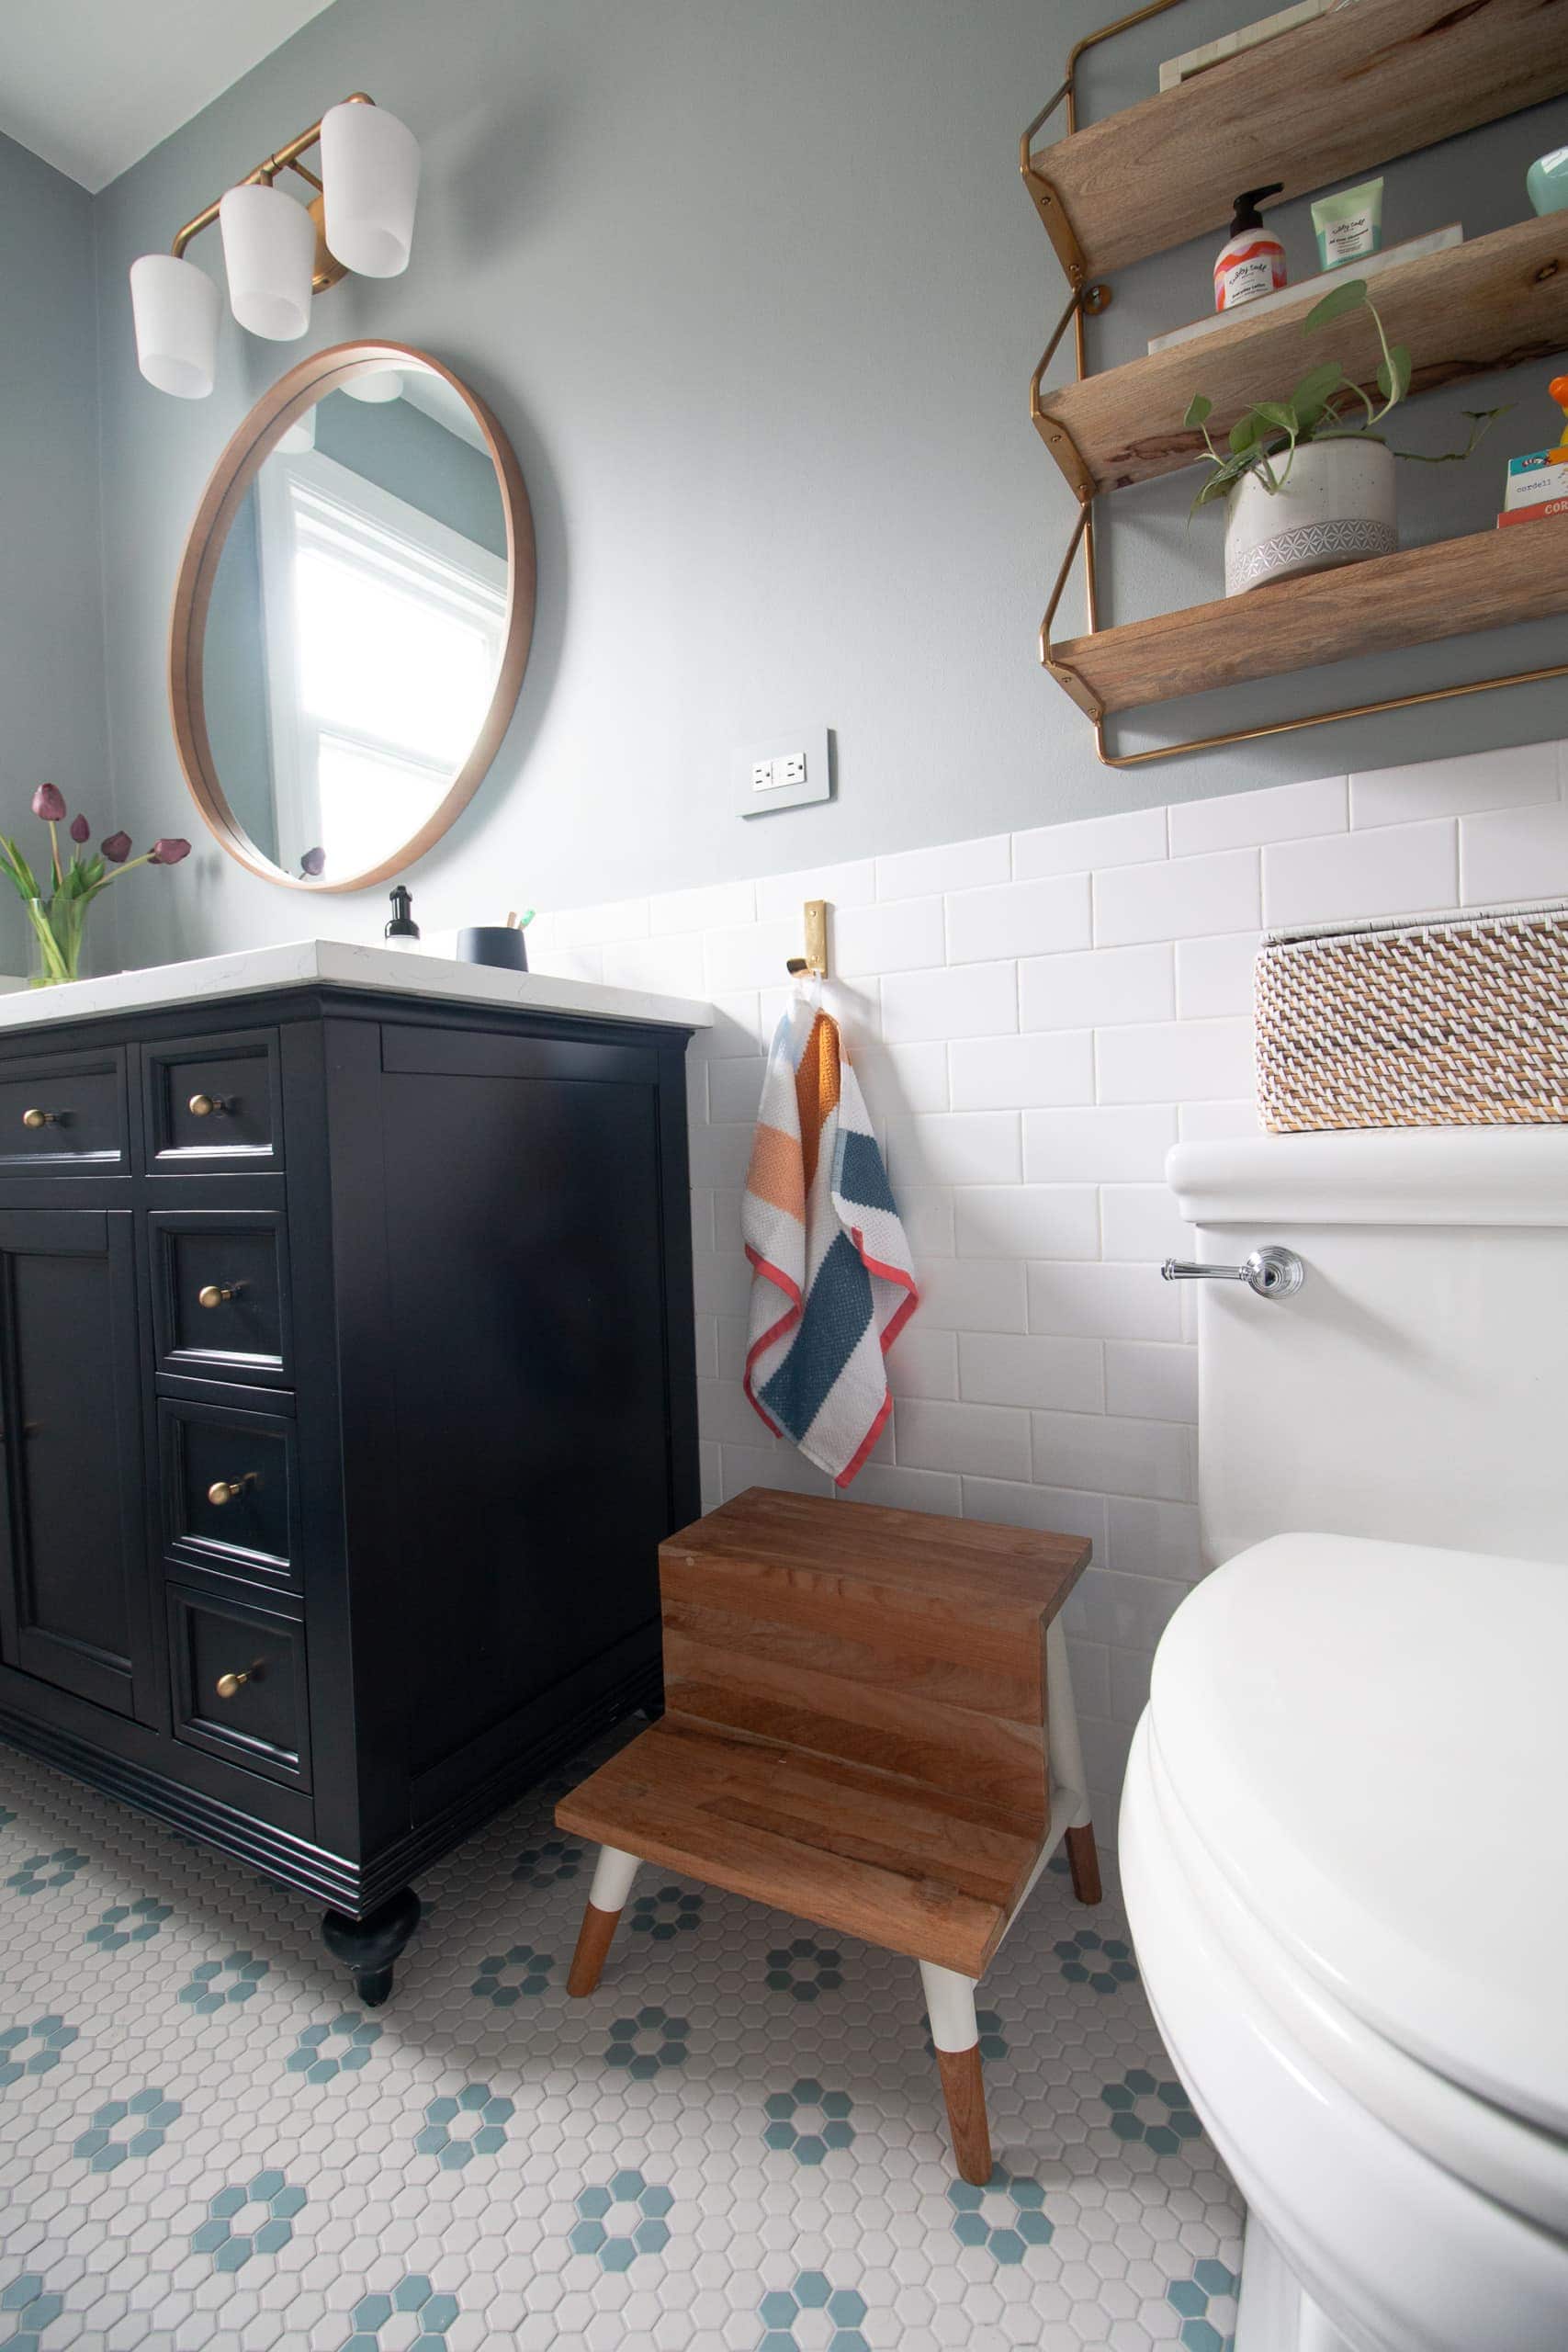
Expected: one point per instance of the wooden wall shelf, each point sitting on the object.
(1413, 598)
(1348, 92)
(1499, 301)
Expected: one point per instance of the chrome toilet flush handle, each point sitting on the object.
(1272, 1272)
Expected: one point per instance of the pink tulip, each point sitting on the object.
(169, 853)
(117, 849)
(79, 829)
(49, 803)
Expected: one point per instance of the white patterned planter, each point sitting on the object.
(1337, 507)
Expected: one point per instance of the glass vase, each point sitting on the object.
(54, 941)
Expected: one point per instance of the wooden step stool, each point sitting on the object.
(870, 1724)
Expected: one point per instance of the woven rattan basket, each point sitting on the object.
(1431, 1021)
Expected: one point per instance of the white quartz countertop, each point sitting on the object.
(335, 963)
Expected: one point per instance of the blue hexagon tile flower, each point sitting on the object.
(804, 1969)
(40, 1871)
(550, 1863)
(619, 2219)
(31, 2309)
(1157, 2113)
(673, 1911)
(1087, 1959)
(128, 1923)
(806, 2121)
(507, 1977)
(122, 2128)
(414, 2314)
(1206, 2301)
(1006, 2217)
(458, 2130)
(647, 2042)
(344, 2047)
(33, 2049)
(256, 2217)
(835, 2322)
(222, 1984)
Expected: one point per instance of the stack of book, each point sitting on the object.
(1537, 485)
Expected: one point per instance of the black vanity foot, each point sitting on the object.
(371, 1945)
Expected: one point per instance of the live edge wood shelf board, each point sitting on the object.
(1347, 93)
(1500, 302)
(1412, 598)
(1352, 90)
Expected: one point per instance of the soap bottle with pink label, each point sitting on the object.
(1252, 260)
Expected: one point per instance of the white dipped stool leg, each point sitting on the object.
(949, 2006)
(613, 1876)
(1068, 1778)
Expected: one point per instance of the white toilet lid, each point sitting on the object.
(1373, 1741)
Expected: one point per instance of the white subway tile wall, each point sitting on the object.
(1036, 1020)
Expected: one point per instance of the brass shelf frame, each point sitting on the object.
(1087, 298)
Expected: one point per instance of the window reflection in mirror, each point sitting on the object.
(356, 624)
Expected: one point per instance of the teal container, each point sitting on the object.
(1547, 181)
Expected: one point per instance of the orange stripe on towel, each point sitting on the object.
(817, 1089)
(774, 1173)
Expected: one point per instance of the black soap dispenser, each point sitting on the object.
(403, 930)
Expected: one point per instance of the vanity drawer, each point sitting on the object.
(213, 1102)
(229, 1495)
(239, 1684)
(63, 1115)
(221, 1294)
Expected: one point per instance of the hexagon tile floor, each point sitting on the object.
(735, 2146)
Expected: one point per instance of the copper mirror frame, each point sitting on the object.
(236, 470)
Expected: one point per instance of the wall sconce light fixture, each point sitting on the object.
(277, 253)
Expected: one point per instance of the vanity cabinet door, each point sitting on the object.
(74, 1593)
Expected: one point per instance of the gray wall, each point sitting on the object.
(754, 289)
(51, 618)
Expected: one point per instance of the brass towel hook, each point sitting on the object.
(816, 957)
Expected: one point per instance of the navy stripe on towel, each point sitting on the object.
(837, 1311)
(860, 1175)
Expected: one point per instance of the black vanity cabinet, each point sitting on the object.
(347, 1391)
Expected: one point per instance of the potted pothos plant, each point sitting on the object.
(1309, 480)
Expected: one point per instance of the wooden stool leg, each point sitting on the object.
(1083, 1861)
(1069, 1780)
(613, 1876)
(949, 2006)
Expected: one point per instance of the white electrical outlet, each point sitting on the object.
(768, 778)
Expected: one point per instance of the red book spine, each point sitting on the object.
(1534, 513)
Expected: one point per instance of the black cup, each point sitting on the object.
(493, 943)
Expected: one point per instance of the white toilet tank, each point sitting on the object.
(1416, 1385)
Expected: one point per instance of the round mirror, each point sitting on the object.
(351, 618)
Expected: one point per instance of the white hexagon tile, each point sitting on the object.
(736, 2146)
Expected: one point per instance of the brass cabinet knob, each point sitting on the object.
(223, 1490)
(41, 1118)
(229, 1686)
(216, 1294)
(203, 1106)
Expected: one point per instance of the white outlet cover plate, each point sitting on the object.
(778, 747)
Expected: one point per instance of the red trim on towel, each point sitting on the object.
(786, 1322)
(853, 1468)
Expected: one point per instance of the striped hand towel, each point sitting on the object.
(831, 1279)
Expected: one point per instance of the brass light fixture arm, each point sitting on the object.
(285, 159)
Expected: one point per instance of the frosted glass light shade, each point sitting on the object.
(375, 390)
(269, 251)
(369, 185)
(175, 306)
